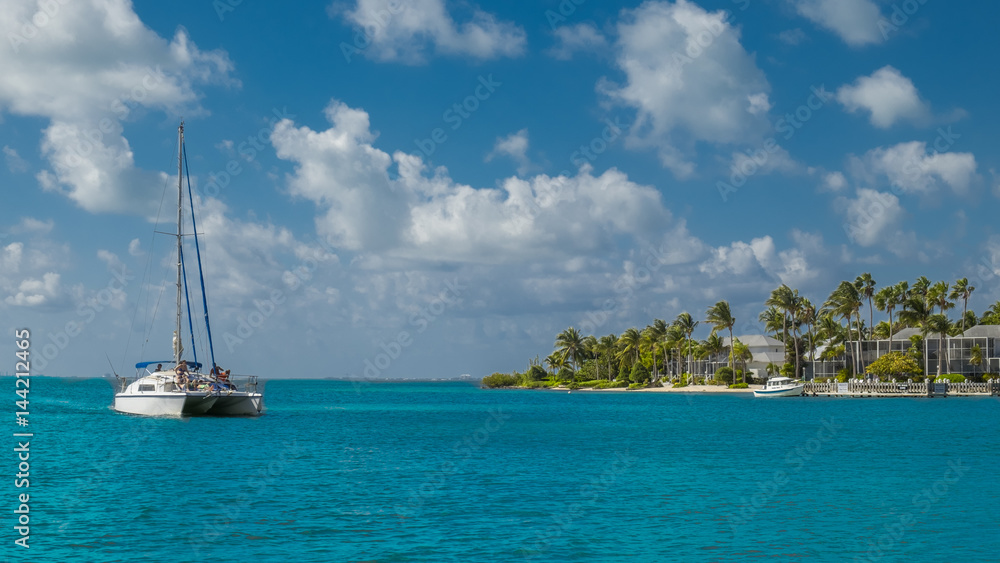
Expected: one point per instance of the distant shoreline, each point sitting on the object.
(691, 389)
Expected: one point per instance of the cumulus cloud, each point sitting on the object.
(14, 161)
(913, 169)
(887, 95)
(582, 37)
(873, 219)
(515, 147)
(689, 80)
(409, 31)
(92, 67)
(856, 22)
(371, 201)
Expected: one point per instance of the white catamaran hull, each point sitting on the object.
(238, 403)
(164, 404)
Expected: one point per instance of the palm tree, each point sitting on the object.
(774, 321)
(660, 326)
(866, 287)
(991, 316)
(962, 290)
(570, 344)
(920, 287)
(629, 341)
(555, 361)
(590, 352)
(741, 351)
(678, 338)
(916, 313)
(713, 346)
(809, 319)
(976, 357)
(845, 301)
(651, 341)
(687, 324)
(720, 316)
(939, 323)
(607, 346)
(887, 299)
(938, 296)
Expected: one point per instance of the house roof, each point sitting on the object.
(760, 341)
(988, 331)
(906, 333)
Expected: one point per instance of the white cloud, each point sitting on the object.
(135, 248)
(371, 201)
(582, 37)
(33, 292)
(762, 161)
(792, 36)
(834, 182)
(514, 146)
(93, 66)
(32, 225)
(759, 104)
(887, 95)
(407, 31)
(856, 22)
(873, 218)
(14, 161)
(689, 79)
(910, 168)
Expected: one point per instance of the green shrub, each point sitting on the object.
(637, 386)
(500, 380)
(952, 377)
(843, 375)
(788, 369)
(639, 374)
(536, 373)
(573, 385)
(739, 386)
(725, 375)
(565, 374)
(679, 384)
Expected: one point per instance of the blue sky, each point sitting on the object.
(450, 184)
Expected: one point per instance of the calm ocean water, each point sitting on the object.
(394, 472)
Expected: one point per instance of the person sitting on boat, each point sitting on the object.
(182, 368)
(159, 367)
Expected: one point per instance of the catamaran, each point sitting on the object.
(182, 388)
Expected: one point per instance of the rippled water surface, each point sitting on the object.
(394, 472)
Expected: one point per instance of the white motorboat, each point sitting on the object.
(182, 389)
(780, 387)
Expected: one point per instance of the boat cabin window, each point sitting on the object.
(147, 388)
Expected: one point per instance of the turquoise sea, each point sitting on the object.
(394, 472)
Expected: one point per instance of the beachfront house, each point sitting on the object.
(958, 352)
(765, 350)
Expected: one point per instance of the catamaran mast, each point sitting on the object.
(178, 347)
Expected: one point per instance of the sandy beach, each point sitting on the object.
(688, 389)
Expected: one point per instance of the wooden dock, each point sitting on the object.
(902, 389)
